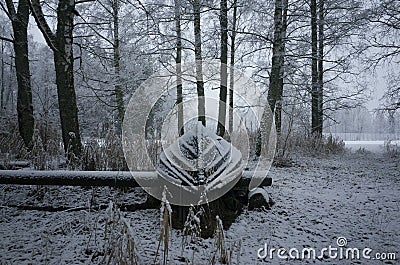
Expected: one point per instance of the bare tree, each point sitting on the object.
(178, 60)
(316, 74)
(223, 68)
(275, 91)
(232, 65)
(382, 31)
(278, 107)
(119, 97)
(382, 40)
(19, 20)
(320, 65)
(199, 65)
(61, 43)
(2, 65)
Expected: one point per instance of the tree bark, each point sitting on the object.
(178, 60)
(199, 65)
(320, 65)
(10, 90)
(3, 85)
(278, 104)
(117, 68)
(274, 92)
(19, 21)
(232, 65)
(223, 68)
(61, 43)
(314, 70)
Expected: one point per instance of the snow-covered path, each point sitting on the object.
(355, 196)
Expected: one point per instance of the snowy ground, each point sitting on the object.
(355, 195)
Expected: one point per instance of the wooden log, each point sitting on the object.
(97, 178)
(74, 178)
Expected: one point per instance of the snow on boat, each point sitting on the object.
(201, 160)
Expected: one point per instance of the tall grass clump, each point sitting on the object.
(11, 144)
(104, 154)
(221, 253)
(315, 145)
(392, 149)
(191, 233)
(165, 231)
(119, 239)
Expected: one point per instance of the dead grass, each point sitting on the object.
(120, 244)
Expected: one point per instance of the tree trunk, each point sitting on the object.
(3, 85)
(199, 65)
(24, 99)
(392, 121)
(10, 90)
(314, 70)
(178, 60)
(117, 69)
(278, 104)
(223, 68)
(64, 63)
(320, 66)
(274, 92)
(62, 45)
(232, 64)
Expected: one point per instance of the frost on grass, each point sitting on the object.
(119, 239)
(166, 224)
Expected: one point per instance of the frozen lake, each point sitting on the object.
(372, 146)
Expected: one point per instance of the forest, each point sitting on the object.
(304, 86)
(313, 60)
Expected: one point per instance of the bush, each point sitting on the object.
(104, 154)
(392, 149)
(11, 144)
(315, 144)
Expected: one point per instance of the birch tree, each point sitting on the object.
(201, 108)
(232, 65)
(223, 68)
(316, 128)
(178, 60)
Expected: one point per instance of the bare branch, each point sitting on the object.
(6, 39)
(6, 11)
(42, 24)
(83, 1)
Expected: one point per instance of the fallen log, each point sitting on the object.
(97, 178)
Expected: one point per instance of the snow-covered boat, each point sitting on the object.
(201, 160)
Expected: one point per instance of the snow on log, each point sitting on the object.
(76, 178)
(96, 178)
